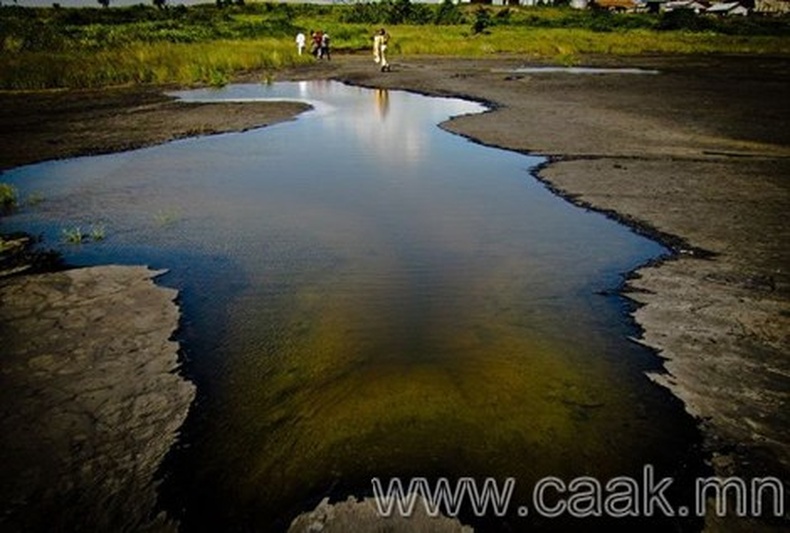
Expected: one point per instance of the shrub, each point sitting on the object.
(684, 19)
(388, 12)
(482, 20)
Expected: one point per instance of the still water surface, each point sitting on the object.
(367, 295)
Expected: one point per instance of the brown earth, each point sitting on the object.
(697, 156)
(38, 126)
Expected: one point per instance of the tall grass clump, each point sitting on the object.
(73, 235)
(97, 232)
(76, 235)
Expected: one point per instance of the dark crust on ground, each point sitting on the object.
(697, 156)
(90, 400)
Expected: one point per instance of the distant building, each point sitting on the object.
(702, 7)
(529, 3)
(696, 6)
(727, 9)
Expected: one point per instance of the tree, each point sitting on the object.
(104, 3)
(448, 13)
(160, 3)
(399, 11)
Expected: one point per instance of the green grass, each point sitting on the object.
(73, 235)
(83, 48)
(211, 63)
(549, 43)
(97, 232)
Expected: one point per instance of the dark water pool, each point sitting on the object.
(367, 295)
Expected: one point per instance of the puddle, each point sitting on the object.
(365, 295)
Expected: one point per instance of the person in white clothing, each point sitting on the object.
(380, 41)
(300, 40)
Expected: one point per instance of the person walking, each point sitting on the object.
(315, 43)
(380, 40)
(325, 46)
(300, 42)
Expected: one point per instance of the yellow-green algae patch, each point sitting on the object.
(466, 394)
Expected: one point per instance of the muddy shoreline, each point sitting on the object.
(697, 156)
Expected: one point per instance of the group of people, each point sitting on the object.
(319, 46)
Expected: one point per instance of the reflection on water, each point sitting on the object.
(382, 102)
(366, 295)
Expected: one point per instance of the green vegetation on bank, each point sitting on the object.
(8, 197)
(209, 44)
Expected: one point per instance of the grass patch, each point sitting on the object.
(73, 235)
(551, 43)
(97, 232)
(76, 235)
(161, 63)
(8, 196)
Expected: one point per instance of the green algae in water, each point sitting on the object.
(475, 397)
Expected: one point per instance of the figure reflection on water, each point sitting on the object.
(303, 89)
(382, 102)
